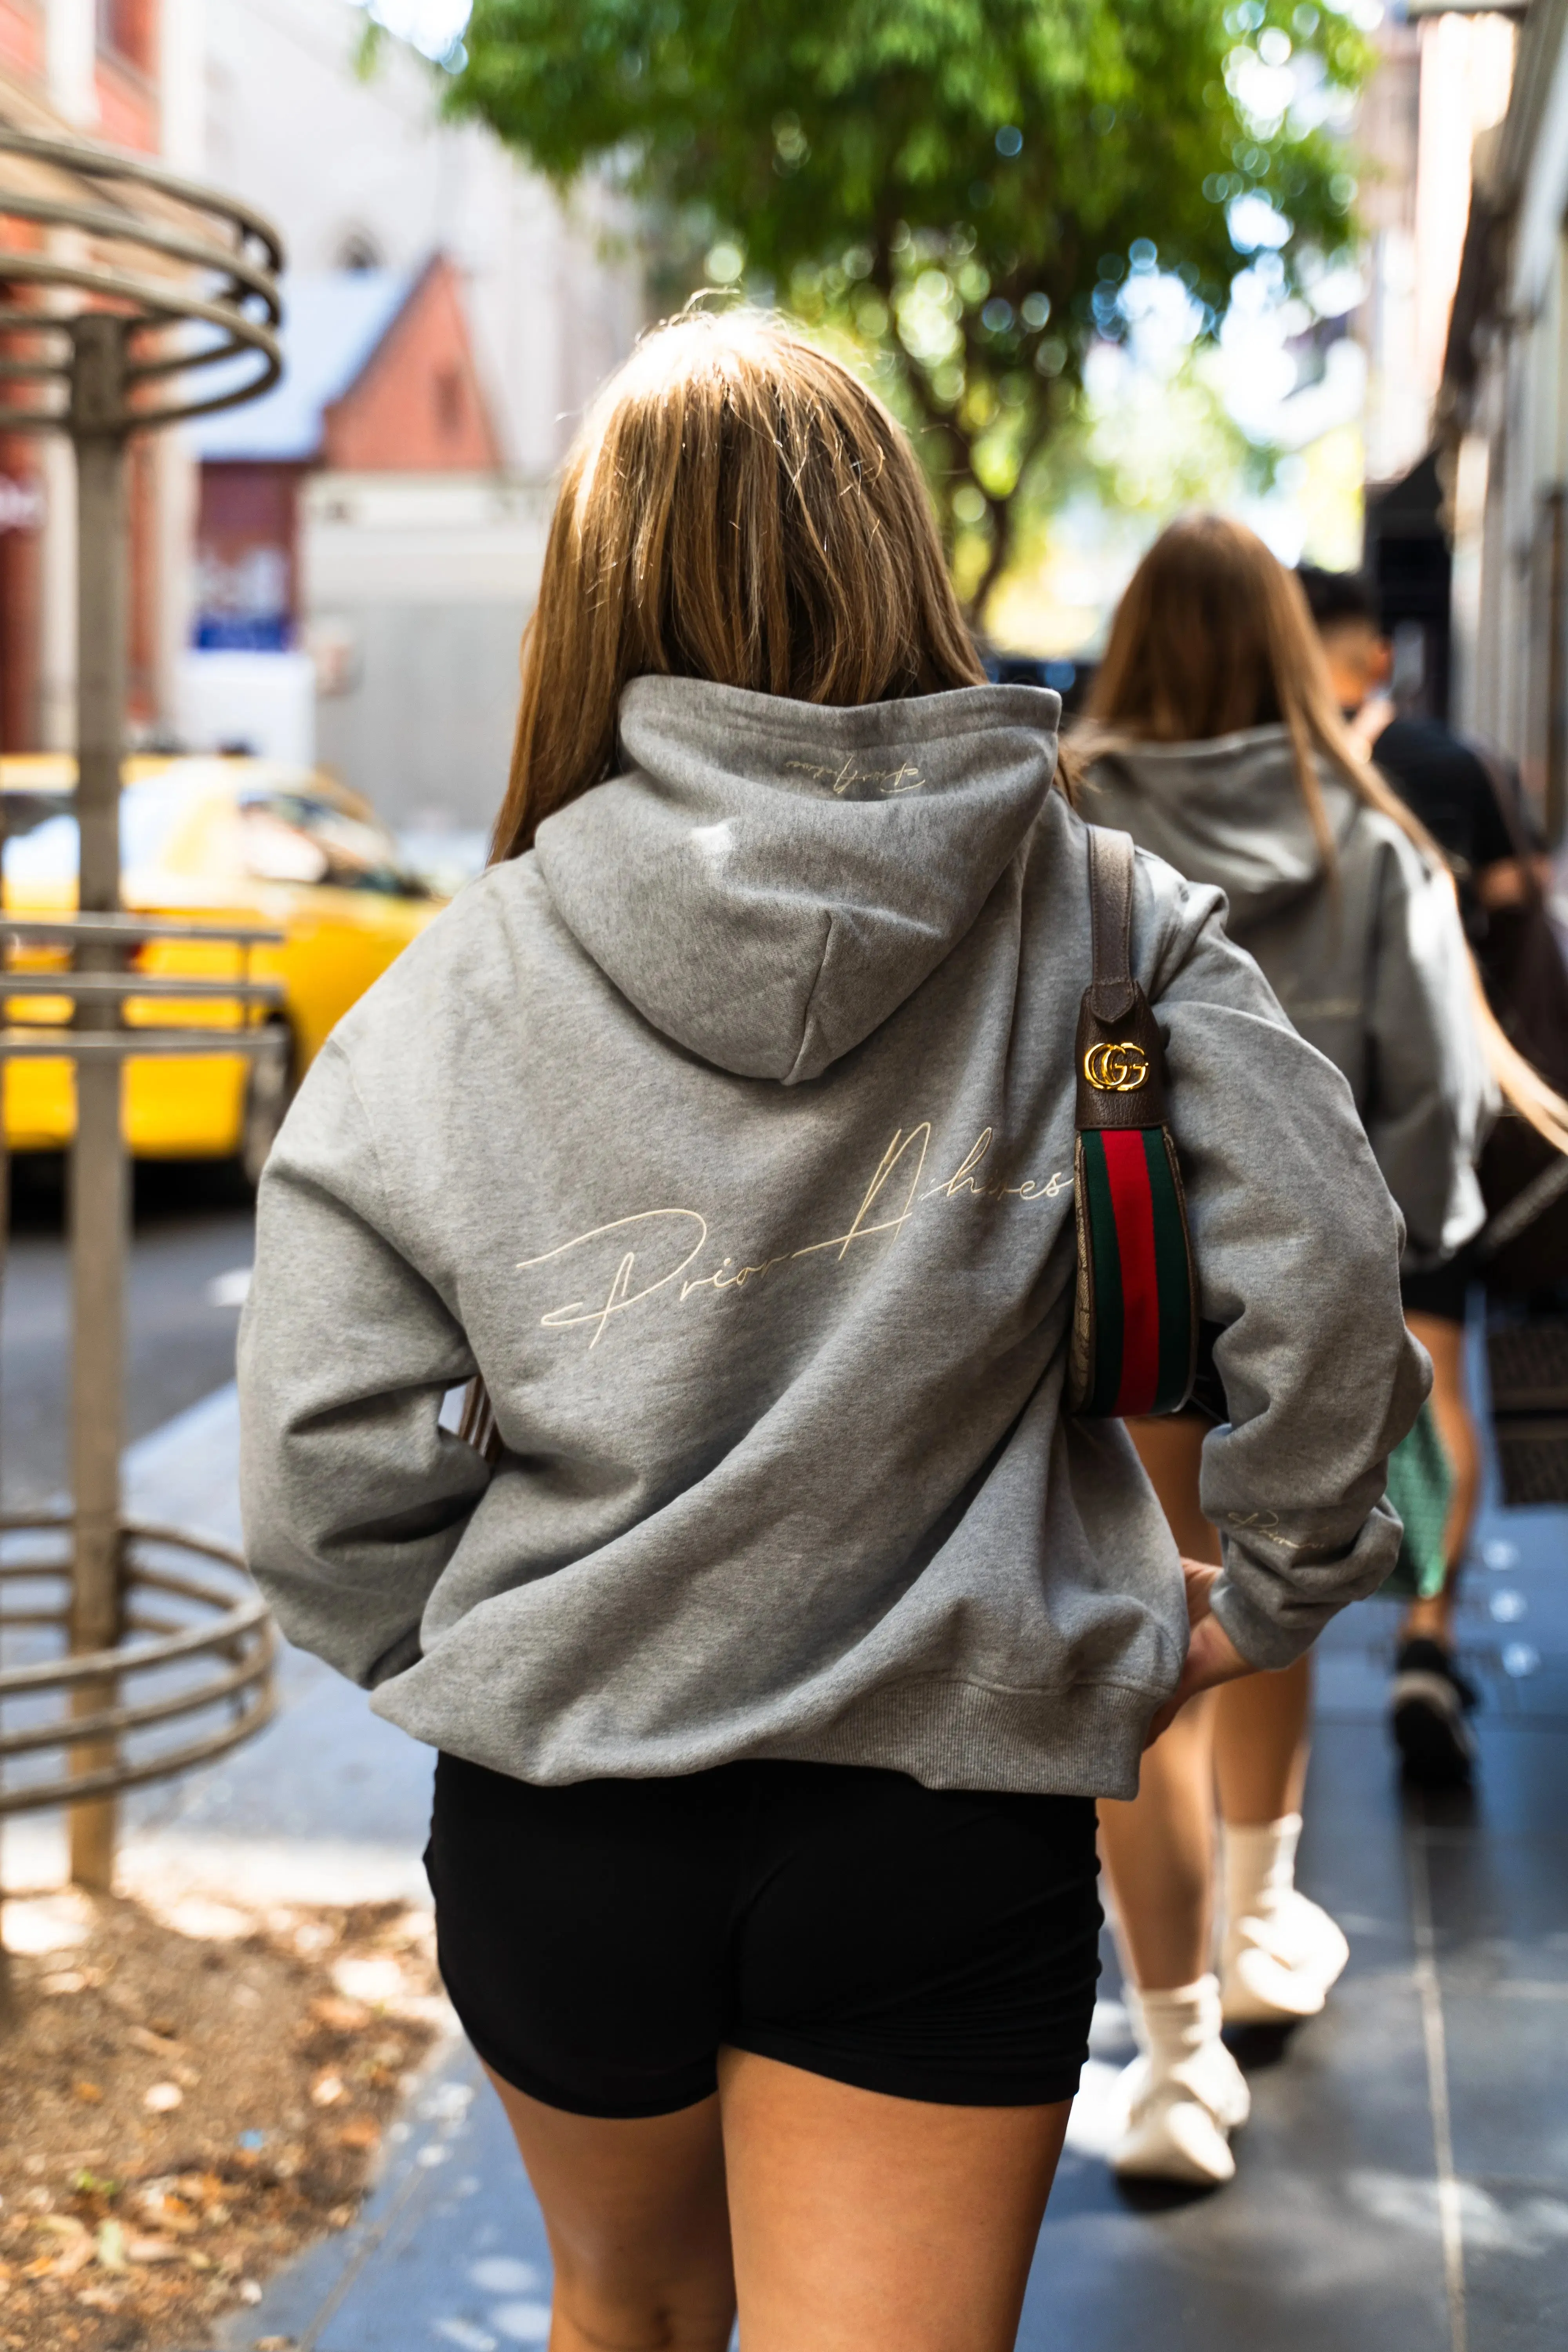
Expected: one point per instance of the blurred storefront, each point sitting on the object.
(1443, 80)
(1505, 422)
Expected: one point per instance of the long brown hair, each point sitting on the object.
(739, 508)
(1213, 635)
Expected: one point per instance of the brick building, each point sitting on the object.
(365, 559)
(401, 537)
(119, 70)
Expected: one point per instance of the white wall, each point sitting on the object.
(335, 160)
(264, 703)
(418, 587)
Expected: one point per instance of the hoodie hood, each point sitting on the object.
(768, 880)
(1228, 812)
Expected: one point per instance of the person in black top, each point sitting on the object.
(1449, 787)
(1439, 776)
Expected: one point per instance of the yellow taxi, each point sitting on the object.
(220, 840)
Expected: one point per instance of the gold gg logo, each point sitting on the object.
(1116, 1069)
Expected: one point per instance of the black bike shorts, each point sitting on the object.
(602, 1941)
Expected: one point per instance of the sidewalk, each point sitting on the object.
(1403, 2182)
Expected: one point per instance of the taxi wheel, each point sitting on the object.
(268, 1089)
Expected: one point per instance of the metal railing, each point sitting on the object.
(211, 1638)
(129, 299)
(72, 1700)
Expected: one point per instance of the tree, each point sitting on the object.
(964, 186)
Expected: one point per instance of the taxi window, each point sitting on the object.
(282, 837)
(300, 837)
(40, 834)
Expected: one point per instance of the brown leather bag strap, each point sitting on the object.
(1129, 1088)
(1110, 861)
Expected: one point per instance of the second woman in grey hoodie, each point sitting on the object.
(1216, 742)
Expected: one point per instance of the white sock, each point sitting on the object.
(1175, 2024)
(1260, 1867)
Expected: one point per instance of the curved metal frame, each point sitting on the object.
(232, 1628)
(122, 287)
(232, 248)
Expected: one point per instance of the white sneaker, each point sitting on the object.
(1185, 2095)
(1281, 1952)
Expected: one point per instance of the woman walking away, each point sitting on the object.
(779, 1646)
(1215, 741)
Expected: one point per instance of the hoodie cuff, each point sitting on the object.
(1261, 1638)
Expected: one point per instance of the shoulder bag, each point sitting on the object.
(1134, 1346)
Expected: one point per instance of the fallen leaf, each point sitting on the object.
(343, 2016)
(211, 1922)
(327, 2090)
(203, 2188)
(109, 2246)
(166, 2212)
(63, 1981)
(375, 1981)
(102, 2298)
(90, 2092)
(362, 2132)
(153, 2250)
(74, 2253)
(157, 2045)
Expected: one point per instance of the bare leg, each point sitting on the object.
(1186, 2094)
(864, 2223)
(1158, 1847)
(638, 2227)
(1261, 1745)
(1445, 1343)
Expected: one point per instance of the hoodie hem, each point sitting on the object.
(1082, 1742)
(1085, 1741)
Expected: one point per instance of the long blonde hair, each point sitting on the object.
(739, 508)
(1214, 636)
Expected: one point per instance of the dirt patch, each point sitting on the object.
(184, 2102)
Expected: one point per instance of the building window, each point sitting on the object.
(358, 251)
(125, 31)
(449, 402)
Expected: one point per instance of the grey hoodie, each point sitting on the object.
(729, 1134)
(1372, 967)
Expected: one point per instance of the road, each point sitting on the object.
(193, 1225)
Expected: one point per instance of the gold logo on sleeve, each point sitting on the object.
(1116, 1069)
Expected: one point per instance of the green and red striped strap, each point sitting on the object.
(1142, 1322)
